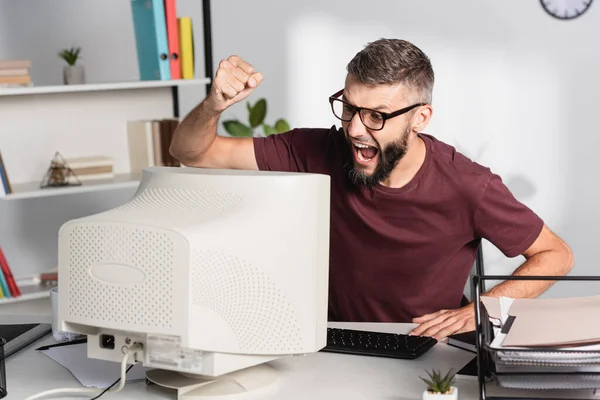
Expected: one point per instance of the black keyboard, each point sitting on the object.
(379, 344)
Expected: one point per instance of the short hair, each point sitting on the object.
(394, 61)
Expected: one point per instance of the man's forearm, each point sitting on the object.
(194, 135)
(547, 263)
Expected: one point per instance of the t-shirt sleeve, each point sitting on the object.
(503, 220)
(298, 150)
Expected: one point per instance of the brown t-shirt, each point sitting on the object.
(400, 253)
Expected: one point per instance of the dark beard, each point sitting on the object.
(388, 159)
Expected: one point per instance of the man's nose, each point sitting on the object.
(356, 127)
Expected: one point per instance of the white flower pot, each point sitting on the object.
(73, 75)
(437, 396)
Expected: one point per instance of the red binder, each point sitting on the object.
(173, 38)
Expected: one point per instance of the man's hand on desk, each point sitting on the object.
(444, 323)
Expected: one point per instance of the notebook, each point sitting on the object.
(18, 336)
(466, 341)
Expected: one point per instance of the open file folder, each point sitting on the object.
(545, 343)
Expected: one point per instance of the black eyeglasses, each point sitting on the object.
(372, 119)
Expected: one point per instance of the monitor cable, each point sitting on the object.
(95, 391)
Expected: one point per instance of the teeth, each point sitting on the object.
(361, 146)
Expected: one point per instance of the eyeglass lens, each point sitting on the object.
(370, 118)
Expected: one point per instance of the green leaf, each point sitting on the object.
(281, 125)
(236, 128)
(258, 113)
(249, 106)
(70, 55)
(269, 130)
(427, 382)
(439, 383)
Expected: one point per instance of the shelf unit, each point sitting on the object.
(94, 87)
(32, 288)
(32, 189)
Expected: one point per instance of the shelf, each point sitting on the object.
(32, 189)
(94, 87)
(31, 289)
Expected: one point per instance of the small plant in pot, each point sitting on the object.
(440, 387)
(73, 74)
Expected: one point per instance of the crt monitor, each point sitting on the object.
(212, 272)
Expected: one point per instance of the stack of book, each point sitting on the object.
(164, 41)
(15, 73)
(90, 168)
(8, 286)
(149, 142)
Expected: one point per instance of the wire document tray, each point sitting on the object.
(538, 368)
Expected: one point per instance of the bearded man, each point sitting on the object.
(408, 212)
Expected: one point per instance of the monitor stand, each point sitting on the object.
(250, 383)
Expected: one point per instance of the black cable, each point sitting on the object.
(114, 383)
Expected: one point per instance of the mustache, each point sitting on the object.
(366, 140)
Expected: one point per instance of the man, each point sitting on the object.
(407, 211)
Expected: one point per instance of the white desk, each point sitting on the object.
(315, 377)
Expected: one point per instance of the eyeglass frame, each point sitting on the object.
(358, 110)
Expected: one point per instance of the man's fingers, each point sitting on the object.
(224, 80)
(236, 76)
(427, 317)
(243, 65)
(239, 74)
(255, 80)
(228, 91)
(234, 80)
(422, 329)
(433, 329)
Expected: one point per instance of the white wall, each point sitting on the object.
(516, 89)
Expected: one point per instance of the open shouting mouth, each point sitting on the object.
(364, 153)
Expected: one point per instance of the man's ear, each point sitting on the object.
(421, 117)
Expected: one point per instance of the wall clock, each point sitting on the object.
(566, 9)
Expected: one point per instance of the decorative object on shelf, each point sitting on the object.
(59, 174)
(440, 387)
(256, 117)
(73, 74)
(566, 9)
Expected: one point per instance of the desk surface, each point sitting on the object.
(316, 376)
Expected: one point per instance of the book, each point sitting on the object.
(4, 290)
(173, 38)
(186, 47)
(18, 336)
(4, 181)
(10, 280)
(150, 29)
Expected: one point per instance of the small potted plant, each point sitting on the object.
(73, 74)
(440, 387)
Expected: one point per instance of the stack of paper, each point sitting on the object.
(546, 343)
